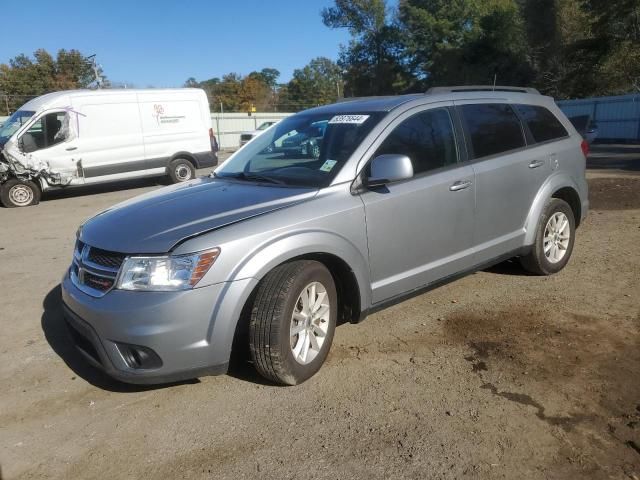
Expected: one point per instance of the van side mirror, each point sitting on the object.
(388, 169)
(21, 144)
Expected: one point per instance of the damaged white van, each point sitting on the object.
(81, 137)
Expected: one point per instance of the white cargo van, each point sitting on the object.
(81, 137)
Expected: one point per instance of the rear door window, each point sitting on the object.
(492, 128)
(427, 138)
(543, 124)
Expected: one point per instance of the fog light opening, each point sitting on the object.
(139, 357)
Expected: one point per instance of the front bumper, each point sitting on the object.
(191, 331)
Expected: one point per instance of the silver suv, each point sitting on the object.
(275, 248)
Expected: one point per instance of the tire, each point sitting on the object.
(19, 193)
(277, 339)
(552, 249)
(314, 150)
(181, 170)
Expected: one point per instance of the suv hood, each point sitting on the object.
(157, 221)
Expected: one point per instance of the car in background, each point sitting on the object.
(251, 134)
(306, 142)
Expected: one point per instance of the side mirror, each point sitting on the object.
(388, 169)
(21, 144)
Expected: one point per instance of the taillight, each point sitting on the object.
(214, 141)
(585, 148)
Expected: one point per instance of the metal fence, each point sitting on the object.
(229, 126)
(617, 118)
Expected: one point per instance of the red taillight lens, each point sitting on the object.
(585, 148)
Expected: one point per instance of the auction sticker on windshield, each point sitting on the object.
(328, 165)
(350, 119)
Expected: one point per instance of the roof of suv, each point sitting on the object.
(388, 103)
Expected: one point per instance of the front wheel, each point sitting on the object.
(19, 193)
(181, 170)
(554, 239)
(293, 320)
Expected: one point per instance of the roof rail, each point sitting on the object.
(482, 88)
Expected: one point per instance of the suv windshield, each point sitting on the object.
(302, 150)
(14, 122)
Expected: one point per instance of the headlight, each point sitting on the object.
(166, 273)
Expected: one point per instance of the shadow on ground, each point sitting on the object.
(56, 333)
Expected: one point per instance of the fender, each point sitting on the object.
(260, 261)
(185, 155)
(277, 250)
(552, 184)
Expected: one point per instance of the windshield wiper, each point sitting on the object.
(252, 176)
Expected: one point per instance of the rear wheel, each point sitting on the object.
(293, 320)
(554, 239)
(19, 193)
(181, 170)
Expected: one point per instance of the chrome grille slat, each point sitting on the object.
(95, 271)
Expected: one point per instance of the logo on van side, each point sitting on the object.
(158, 113)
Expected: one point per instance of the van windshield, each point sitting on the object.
(302, 150)
(13, 123)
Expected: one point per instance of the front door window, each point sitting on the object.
(47, 131)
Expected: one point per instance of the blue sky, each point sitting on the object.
(161, 43)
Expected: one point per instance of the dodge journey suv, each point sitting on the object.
(406, 193)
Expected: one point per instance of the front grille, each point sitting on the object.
(246, 137)
(105, 258)
(94, 271)
(98, 283)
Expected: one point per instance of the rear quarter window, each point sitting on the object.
(543, 124)
(492, 128)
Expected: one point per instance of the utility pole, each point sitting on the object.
(96, 70)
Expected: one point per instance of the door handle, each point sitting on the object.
(69, 149)
(460, 185)
(536, 164)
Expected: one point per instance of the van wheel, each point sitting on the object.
(293, 319)
(181, 170)
(554, 239)
(19, 193)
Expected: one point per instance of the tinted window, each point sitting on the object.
(493, 128)
(542, 123)
(426, 138)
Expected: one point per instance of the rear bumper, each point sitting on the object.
(206, 159)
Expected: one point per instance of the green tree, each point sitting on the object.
(25, 77)
(268, 76)
(372, 62)
(191, 83)
(615, 26)
(318, 83)
(465, 42)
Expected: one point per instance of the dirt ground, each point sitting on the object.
(497, 375)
